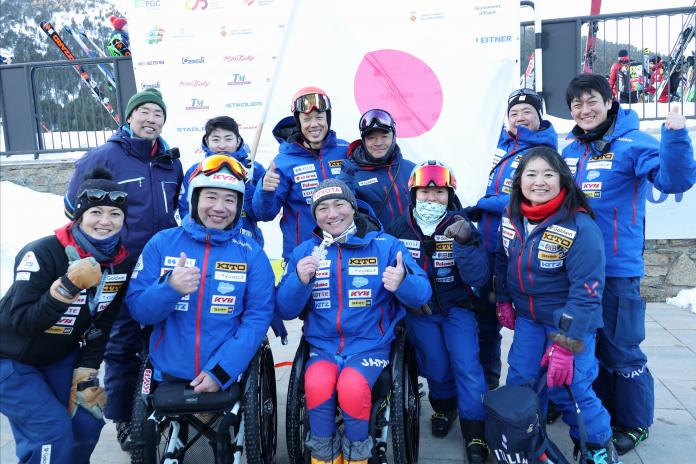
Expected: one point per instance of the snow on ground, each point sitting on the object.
(685, 299)
(25, 215)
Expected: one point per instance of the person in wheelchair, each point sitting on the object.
(204, 287)
(445, 335)
(55, 321)
(350, 281)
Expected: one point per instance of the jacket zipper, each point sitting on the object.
(135, 179)
(616, 233)
(199, 309)
(578, 175)
(398, 197)
(297, 228)
(502, 167)
(339, 273)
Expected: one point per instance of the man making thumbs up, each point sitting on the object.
(615, 164)
(309, 153)
(205, 287)
(350, 281)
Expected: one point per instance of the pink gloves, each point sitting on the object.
(560, 365)
(506, 314)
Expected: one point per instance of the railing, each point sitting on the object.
(652, 40)
(59, 111)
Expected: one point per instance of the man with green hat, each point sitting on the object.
(151, 174)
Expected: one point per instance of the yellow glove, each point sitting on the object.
(86, 392)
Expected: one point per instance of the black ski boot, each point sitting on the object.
(441, 423)
(627, 438)
(552, 413)
(474, 441)
(123, 435)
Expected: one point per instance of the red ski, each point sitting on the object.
(82, 72)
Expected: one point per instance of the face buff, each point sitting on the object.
(428, 215)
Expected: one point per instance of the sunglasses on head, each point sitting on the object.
(524, 91)
(311, 101)
(214, 163)
(376, 119)
(94, 195)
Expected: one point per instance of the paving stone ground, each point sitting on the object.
(671, 347)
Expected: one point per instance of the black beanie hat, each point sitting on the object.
(528, 96)
(99, 179)
(623, 52)
(330, 189)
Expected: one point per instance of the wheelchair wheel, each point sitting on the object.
(296, 419)
(405, 405)
(260, 408)
(140, 413)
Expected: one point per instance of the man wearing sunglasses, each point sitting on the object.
(375, 169)
(150, 174)
(525, 129)
(309, 153)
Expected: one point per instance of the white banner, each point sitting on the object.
(443, 68)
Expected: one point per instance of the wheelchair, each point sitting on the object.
(171, 424)
(395, 404)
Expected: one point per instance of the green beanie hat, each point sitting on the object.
(146, 96)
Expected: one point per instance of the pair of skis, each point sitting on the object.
(86, 77)
(95, 52)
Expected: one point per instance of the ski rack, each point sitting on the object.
(91, 54)
(686, 35)
(590, 48)
(91, 84)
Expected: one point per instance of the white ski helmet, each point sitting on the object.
(217, 171)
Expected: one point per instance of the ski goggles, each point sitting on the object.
(311, 101)
(94, 195)
(522, 92)
(376, 119)
(214, 163)
(432, 175)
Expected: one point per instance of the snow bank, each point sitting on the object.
(685, 299)
(25, 215)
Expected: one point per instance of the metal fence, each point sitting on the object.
(661, 48)
(64, 104)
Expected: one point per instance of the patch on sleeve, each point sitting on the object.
(22, 276)
(29, 263)
(139, 265)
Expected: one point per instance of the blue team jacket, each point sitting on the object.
(152, 184)
(300, 172)
(349, 310)
(507, 157)
(384, 187)
(217, 328)
(556, 269)
(616, 183)
(248, 220)
(452, 268)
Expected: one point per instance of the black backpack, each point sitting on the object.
(516, 427)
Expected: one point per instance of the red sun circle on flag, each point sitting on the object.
(402, 84)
